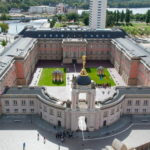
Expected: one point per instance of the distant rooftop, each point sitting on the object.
(69, 32)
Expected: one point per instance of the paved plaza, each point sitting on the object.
(16, 130)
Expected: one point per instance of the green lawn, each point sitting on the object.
(138, 29)
(92, 72)
(46, 77)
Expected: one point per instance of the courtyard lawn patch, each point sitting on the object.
(107, 79)
(46, 77)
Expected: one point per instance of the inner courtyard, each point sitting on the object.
(44, 72)
(72, 70)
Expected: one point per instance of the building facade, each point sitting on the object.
(34, 100)
(98, 14)
(18, 62)
(42, 9)
(130, 60)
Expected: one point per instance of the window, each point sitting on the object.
(40, 106)
(7, 110)
(128, 110)
(23, 103)
(145, 102)
(129, 103)
(31, 103)
(97, 35)
(58, 114)
(74, 54)
(7, 103)
(32, 110)
(144, 110)
(105, 114)
(24, 110)
(136, 110)
(117, 109)
(51, 112)
(112, 111)
(45, 109)
(137, 103)
(15, 103)
(15, 110)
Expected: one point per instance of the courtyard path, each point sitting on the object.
(116, 77)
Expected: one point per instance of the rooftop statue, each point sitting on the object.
(83, 71)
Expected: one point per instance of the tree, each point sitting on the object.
(4, 17)
(148, 17)
(127, 16)
(73, 16)
(4, 27)
(110, 19)
(52, 23)
(85, 18)
(117, 16)
(4, 43)
(122, 16)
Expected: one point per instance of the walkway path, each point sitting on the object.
(116, 77)
(36, 77)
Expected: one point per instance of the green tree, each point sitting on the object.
(4, 27)
(148, 17)
(73, 16)
(85, 18)
(117, 16)
(127, 16)
(4, 43)
(4, 17)
(122, 16)
(110, 20)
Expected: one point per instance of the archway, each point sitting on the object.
(74, 61)
(83, 104)
(59, 123)
(82, 123)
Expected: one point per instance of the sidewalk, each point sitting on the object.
(116, 77)
(39, 123)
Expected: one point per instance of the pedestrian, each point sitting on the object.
(38, 136)
(44, 140)
(24, 145)
(64, 134)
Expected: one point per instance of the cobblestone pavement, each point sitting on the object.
(15, 130)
